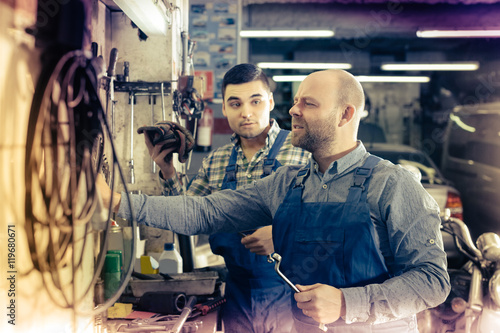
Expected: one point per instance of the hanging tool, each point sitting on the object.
(126, 71)
(276, 258)
(113, 56)
(152, 100)
(163, 116)
(131, 161)
(185, 51)
(184, 314)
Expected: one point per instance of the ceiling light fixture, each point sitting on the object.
(361, 78)
(303, 65)
(149, 15)
(416, 79)
(446, 66)
(458, 33)
(286, 33)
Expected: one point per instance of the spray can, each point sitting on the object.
(112, 274)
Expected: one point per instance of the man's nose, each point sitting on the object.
(246, 112)
(294, 111)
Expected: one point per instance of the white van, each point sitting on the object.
(471, 160)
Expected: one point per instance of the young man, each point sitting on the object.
(257, 298)
(358, 235)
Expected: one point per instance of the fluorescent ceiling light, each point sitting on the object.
(447, 66)
(303, 65)
(457, 33)
(417, 79)
(361, 78)
(149, 15)
(289, 78)
(286, 33)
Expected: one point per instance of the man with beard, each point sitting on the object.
(358, 235)
(257, 299)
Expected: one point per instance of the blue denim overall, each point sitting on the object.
(257, 299)
(331, 243)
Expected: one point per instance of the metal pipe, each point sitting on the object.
(466, 236)
(475, 304)
(148, 93)
(131, 162)
(476, 289)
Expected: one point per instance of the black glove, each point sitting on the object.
(174, 134)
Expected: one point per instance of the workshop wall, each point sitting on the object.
(37, 304)
(153, 59)
(32, 306)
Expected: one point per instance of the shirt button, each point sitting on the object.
(249, 176)
(325, 186)
(412, 324)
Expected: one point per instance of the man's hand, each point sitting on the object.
(260, 242)
(321, 302)
(163, 158)
(106, 194)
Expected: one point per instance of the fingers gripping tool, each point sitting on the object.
(276, 258)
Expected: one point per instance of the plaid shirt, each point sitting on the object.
(211, 174)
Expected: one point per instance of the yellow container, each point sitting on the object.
(149, 265)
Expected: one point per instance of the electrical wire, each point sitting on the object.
(64, 154)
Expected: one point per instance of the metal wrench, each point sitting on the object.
(188, 308)
(276, 258)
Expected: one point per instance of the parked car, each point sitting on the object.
(370, 132)
(441, 189)
(471, 159)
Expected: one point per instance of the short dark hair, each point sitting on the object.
(244, 73)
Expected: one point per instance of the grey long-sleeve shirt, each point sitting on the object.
(405, 216)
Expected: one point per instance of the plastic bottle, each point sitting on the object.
(170, 260)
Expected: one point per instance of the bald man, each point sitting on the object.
(359, 236)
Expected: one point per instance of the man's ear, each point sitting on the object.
(347, 115)
(224, 108)
(271, 102)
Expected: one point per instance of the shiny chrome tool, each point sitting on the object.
(188, 308)
(276, 258)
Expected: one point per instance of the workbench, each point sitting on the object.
(207, 324)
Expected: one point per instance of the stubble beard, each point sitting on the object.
(322, 138)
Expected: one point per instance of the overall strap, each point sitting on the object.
(295, 192)
(270, 164)
(230, 180)
(362, 176)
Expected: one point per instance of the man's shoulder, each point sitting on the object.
(289, 170)
(221, 151)
(392, 175)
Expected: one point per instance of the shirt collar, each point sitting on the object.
(344, 163)
(271, 135)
